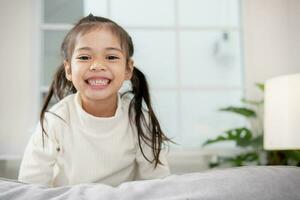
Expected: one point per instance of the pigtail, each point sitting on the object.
(59, 88)
(157, 138)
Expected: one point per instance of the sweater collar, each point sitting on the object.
(98, 125)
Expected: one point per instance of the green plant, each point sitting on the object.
(251, 139)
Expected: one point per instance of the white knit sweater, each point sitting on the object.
(82, 148)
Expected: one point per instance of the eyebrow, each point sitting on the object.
(107, 48)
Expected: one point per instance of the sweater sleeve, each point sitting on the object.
(37, 165)
(145, 169)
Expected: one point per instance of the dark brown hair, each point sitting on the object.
(61, 87)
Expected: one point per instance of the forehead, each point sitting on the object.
(97, 38)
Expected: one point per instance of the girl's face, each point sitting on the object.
(98, 65)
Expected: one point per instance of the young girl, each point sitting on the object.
(95, 133)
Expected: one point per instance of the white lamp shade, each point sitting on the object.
(282, 113)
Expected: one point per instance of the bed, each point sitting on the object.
(240, 183)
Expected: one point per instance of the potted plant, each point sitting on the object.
(250, 139)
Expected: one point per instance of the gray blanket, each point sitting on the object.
(241, 183)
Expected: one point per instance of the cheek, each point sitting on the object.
(122, 73)
(77, 68)
(77, 73)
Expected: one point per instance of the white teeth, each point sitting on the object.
(98, 82)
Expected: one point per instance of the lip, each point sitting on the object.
(98, 77)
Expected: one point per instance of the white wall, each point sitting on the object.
(18, 86)
(272, 40)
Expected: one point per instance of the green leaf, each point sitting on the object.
(238, 160)
(253, 102)
(260, 86)
(240, 110)
(241, 136)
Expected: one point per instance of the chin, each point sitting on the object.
(98, 96)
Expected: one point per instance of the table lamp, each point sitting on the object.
(282, 113)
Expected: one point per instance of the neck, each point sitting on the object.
(101, 108)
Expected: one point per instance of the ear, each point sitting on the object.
(129, 69)
(68, 71)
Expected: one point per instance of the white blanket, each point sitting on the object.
(242, 183)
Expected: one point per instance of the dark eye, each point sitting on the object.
(84, 58)
(112, 57)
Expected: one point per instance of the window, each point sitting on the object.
(190, 51)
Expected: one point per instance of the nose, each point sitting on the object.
(97, 66)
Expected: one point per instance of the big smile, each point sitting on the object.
(98, 83)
